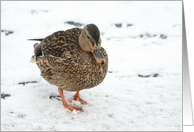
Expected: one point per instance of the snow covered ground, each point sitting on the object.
(143, 87)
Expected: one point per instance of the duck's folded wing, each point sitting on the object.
(51, 65)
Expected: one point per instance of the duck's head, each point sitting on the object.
(89, 40)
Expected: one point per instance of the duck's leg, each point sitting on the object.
(76, 97)
(71, 108)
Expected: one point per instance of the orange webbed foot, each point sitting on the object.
(77, 98)
(71, 108)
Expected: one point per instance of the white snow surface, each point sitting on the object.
(123, 101)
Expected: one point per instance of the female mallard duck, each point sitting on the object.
(72, 60)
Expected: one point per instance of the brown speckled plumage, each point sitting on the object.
(65, 64)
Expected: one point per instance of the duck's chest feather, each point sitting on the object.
(71, 75)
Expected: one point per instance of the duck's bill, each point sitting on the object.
(99, 56)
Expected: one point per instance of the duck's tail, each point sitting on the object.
(35, 39)
(37, 52)
(33, 59)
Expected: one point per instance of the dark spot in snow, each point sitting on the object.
(129, 25)
(56, 97)
(156, 75)
(5, 95)
(34, 12)
(21, 115)
(118, 25)
(74, 23)
(163, 36)
(110, 115)
(24, 83)
(146, 76)
(147, 35)
(112, 71)
(141, 35)
(7, 32)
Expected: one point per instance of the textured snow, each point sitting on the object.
(123, 101)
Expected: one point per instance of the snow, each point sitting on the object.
(123, 101)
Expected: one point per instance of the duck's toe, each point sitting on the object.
(71, 108)
(77, 98)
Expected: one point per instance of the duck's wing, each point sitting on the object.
(54, 69)
(61, 42)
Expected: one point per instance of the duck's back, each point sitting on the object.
(61, 42)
